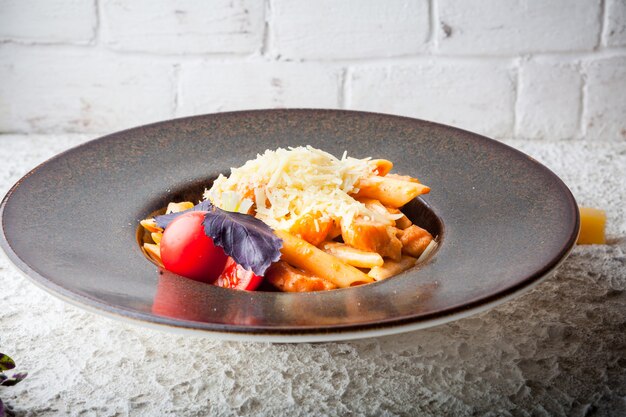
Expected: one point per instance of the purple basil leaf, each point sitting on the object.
(249, 241)
(2, 378)
(16, 378)
(164, 220)
(6, 363)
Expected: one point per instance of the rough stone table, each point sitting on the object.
(557, 350)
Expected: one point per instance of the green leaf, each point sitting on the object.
(6, 362)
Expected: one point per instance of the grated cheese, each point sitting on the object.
(287, 184)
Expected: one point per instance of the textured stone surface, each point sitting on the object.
(557, 350)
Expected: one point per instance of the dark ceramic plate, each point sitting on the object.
(504, 222)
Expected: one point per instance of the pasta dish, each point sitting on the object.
(299, 219)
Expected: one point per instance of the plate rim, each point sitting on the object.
(321, 333)
(302, 337)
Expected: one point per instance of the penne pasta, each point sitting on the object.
(289, 279)
(151, 226)
(403, 178)
(391, 268)
(303, 255)
(401, 222)
(383, 215)
(153, 252)
(156, 237)
(391, 192)
(352, 256)
(178, 207)
(338, 220)
(381, 166)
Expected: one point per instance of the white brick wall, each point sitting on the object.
(509, 27)
(456, 93)
(549, 100)
(615, 28)
(75, 90)
(48, 21)
(532, 69)
(210, 88)
(330, 29)
(183, 26)
(605, 98)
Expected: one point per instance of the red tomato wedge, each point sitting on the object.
(186, 250)
(236, 277)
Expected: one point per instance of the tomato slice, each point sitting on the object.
(186, 250)
(237, 277)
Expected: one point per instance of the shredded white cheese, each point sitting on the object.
(286, 184)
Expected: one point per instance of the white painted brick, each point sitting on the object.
(605, 103)
(549, 101)
(184, 26)
(48, 90)
(517, 26)
(47, 21)
(473, 96)
(330, 29)
(615, 24)
(214, 87)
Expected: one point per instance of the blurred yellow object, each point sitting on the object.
(592, 223)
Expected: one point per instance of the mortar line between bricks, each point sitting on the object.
(460, 59)
(516, 94)
(582, 127)
(184, 57)
(97, 35)
(253, 56)
(603, 16)
(341, 91)
(604, 53)
(266, 42)
(401, 59)
(346, 102)
(434, 25)
(177, 88)
(46, 44)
